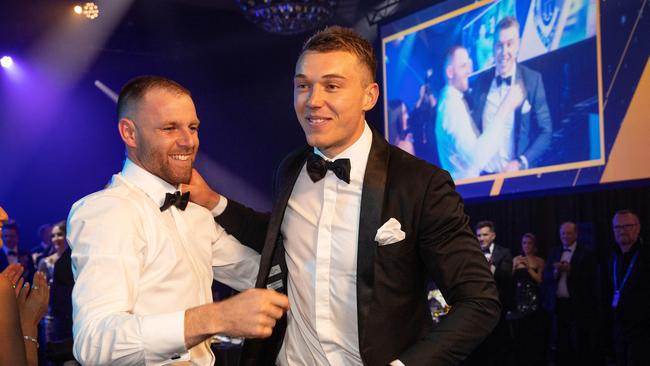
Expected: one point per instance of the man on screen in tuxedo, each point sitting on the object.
(357, 231)
(463, 151)
(529, 133)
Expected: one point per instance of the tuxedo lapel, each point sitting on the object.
(519, 125)
(288, 179)
(372, 199)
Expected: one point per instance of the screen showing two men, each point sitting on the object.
(504, 95)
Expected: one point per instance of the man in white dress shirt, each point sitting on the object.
(463, 150)
(144, 258)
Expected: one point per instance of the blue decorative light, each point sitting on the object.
(288, 17)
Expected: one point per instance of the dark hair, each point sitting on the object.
(575, 226)
(61, 225)
(133, 91)
(337, 38)
(395, 114)
(485, 223)
(626, 211)
(506, 23)
(10, 224)
(449, 55)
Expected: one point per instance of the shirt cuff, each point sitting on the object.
(163, 336)
(220, 207)
(397, 363)
(523, 161)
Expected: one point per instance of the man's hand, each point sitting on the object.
(512, 166)
(251, 314)
(200, 191)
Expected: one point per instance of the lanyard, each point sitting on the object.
(627, 273)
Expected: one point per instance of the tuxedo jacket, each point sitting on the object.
(394, 319)
(533, 127)
(582, 282)
(502, 260)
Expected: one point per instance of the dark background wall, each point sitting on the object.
(58, 136)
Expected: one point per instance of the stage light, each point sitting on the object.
(90, 10)
(6, 62)
(77, 9)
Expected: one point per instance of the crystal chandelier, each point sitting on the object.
(288, 17)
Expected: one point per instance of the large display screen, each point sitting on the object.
(505, 95)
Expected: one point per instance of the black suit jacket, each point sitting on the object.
(534, 128)
(502, 260)
(394, 320)
(582, 282)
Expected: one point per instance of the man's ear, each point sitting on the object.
(371, 96)
(127, 132)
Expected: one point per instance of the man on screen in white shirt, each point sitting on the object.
(462, 149)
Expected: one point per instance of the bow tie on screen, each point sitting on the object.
(317, 167)
(507, 80)
(566, 249)
(176, 199)
(485, 250)
(13, 252)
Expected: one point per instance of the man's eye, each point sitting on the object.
(332, 87)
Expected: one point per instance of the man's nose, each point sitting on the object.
(315, 98)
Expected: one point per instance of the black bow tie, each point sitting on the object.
(317, 167)
(13, 252)
(485, 250)
(177, 199)
(507, 80)
(566, 249)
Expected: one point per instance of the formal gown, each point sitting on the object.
(527, 321)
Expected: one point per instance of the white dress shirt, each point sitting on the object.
(321, 232)
(462, 150)
(488, 257)
(505, 143)
(562, 288)
(138, 269)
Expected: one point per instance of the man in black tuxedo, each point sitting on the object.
(522, 146)
(358, 230)
(571, 291)
(495, 349)
(11, 252)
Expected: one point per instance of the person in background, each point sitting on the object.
(530, 330)
(22, 308)
(398, 116)
(571, 295)
(627, 281)
(44, 248)
(59, 244)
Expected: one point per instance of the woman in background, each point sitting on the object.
(527, 319)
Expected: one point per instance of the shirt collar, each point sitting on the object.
(453, 92)
(571, 247)
(151, 185)
(357, 153)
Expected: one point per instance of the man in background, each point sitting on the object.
(571, 291)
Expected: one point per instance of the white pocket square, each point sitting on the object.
(390, 233)
(526, 107)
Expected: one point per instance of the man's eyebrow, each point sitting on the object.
(328, 76)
